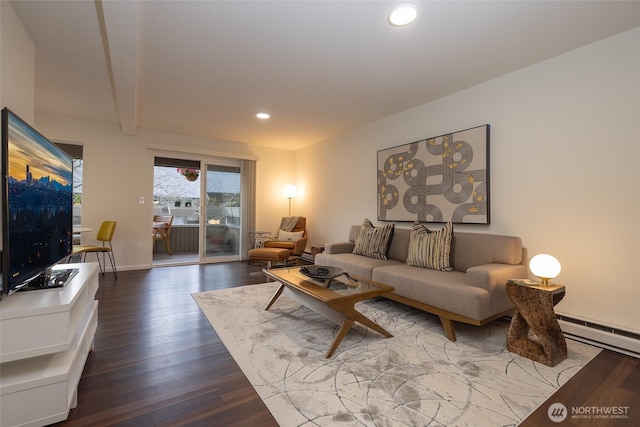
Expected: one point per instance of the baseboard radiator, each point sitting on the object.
(601, 336)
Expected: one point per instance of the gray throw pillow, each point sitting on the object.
(430, 249)
(373, 241)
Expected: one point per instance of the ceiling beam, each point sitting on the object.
(119, 29)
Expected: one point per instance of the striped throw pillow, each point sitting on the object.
(430, 249)
(373, 242)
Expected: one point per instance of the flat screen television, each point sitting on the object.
(37, 216)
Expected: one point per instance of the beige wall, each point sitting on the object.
(565, 156)
(275, 170)
(17, 64)
(17, 68)
(118, 170)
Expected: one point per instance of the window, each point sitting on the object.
(75, 151)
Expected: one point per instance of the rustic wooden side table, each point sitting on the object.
(534, 303)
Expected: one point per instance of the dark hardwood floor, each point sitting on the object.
(609, 381)
(158, 362)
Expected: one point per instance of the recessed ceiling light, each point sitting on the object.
(403, 14)
(263, 116)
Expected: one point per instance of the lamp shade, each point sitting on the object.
(545, 267)
(290, 191)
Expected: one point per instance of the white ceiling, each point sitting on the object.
(320, 68)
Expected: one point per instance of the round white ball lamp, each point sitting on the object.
(545, 266)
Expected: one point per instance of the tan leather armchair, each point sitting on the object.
(296, 247)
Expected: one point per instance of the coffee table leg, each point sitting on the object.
(275, 296)
(358, 317)
(354, 316)
(338, 339)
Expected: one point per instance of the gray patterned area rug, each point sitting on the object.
(416, 378)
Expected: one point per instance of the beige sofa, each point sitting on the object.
(473, 293)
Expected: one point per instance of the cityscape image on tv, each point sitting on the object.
(39, 201)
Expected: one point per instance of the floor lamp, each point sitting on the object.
(290, 191)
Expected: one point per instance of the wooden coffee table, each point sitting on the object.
(335, 302)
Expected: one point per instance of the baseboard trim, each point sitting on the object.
(624, 342)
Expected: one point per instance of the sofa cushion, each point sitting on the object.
(399, 246)
(430, 249)
(472, 249)
(373, 241)
(354, 232)
(445, 290)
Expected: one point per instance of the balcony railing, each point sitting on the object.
(222, 229)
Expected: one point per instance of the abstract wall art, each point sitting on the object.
(436, 179)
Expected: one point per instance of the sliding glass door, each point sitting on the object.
(176, 202)
(220, 213)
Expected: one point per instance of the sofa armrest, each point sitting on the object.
(339, 247)
(494, 276)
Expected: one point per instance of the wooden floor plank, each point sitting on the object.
(609, 380)
(158, 362)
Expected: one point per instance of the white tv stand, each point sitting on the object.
(45, 338)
